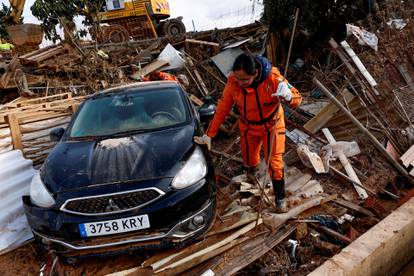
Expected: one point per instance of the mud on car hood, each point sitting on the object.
(76, 164)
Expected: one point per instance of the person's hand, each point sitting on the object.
(203, 140)
(283, 91)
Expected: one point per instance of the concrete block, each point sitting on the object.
(384, 250)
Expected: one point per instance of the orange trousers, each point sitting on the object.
(253, 137)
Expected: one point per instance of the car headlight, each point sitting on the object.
(194, 169)
(39, 195)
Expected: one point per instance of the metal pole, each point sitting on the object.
(361, 127)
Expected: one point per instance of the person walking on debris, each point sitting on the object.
(257, 88)
(160, 76)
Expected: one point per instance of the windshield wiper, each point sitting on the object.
(121, 133)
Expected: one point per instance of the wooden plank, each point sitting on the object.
(368, 134)
(347, 166)
(34, 53)
(44, 117)
(358, 63)
(332, 233)
(277, 220)
(202, 258)
(48, 125)
(40, 100)
(408, 156)
(196, 100)
(252, 251)
(323, 117)
(232, 222)
(177, 254)
(229, 239)
(354, 207)
(46, 54)
(201, 42)
(152, 67)
(15, 131)
(204, 89)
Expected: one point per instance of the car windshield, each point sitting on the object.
(133, 110)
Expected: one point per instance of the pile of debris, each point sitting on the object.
(361, 96)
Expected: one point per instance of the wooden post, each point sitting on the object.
(348, 167)
(74, 108)
(203, 87)
(368, 134)
(15, 131)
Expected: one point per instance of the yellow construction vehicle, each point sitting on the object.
(139, 19)
(25, 37)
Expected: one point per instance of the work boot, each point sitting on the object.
(279, 190)
(251, 174)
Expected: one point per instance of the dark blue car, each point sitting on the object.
(125, 175)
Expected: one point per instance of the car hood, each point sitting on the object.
(76, 164)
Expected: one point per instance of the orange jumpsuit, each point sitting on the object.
(156, 76)
(259, 113)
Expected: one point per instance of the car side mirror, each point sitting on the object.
(206, 112)
(56, 133)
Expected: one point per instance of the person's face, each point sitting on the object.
(244, 79)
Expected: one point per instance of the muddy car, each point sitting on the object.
(125, 174)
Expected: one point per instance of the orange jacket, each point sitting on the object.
(255, 106)
(156, 76)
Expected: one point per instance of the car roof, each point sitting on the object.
(139, 86)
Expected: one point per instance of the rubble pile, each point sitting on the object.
(329, 208)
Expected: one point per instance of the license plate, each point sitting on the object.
(116, 226)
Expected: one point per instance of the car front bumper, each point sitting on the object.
(58, 230)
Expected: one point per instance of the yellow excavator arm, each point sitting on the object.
(17, 7)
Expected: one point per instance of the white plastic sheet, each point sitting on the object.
(15, 176)
(174, 58)
(364, 37)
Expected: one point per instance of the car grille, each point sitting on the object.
(112, 203)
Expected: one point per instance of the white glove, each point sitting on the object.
(203, 140)
(283, 91)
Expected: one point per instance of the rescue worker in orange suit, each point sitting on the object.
(160, 76)
(256, 88)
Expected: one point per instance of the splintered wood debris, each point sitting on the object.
(247, 236)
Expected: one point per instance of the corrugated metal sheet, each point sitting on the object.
(5, 140)
(15, 175)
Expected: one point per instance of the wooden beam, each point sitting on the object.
(201, 42)
(215, 246)
(196, 100)
(202, 258)
(332, 233)
(277, 220)
(253, 250)
(353, 207)
(15, 131)
(359, 64)
(368, 134)
(203, 87)
(152, 67)
(347, 166)
(327, 113)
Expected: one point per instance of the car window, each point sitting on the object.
(129, 111)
